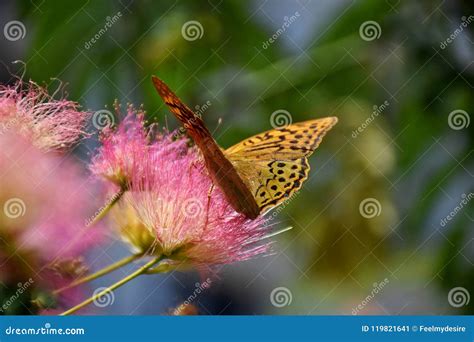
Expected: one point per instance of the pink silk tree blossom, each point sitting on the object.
(121, 149)
(169, 197)
(172, 197)
(45, 200)
(51, 124)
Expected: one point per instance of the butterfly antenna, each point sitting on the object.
(23, 65)
(166, 123)
(219, 123)
(209, 196)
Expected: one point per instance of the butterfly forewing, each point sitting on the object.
(274, 164)
(299, 139)
(219, 167)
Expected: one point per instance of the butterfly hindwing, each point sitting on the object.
(272, 181)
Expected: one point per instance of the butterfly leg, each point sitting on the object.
(209, 194)
(194, 164)
(198, 164)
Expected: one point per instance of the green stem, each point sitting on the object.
(106, 207)
(100, 273)
(115, 286)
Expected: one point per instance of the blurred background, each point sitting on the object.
(371, 233)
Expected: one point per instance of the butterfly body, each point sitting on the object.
(260, 172)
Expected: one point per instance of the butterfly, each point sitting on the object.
(260, 172)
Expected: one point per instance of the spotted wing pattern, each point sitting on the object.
(274, 164)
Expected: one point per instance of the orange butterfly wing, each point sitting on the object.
(219, 167)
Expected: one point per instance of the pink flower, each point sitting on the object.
(50, 124)
(45, 201)
(166, 209)
(46, 198)
(170, 197)
(121, 149)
